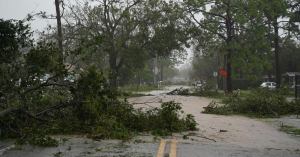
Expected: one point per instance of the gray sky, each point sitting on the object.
(18, 9)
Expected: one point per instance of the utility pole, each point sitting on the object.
(276, 54)
(155, 69)
(59, 31)
(297, 85)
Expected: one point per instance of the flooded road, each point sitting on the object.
(218, 136)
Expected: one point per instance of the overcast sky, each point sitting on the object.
(18, 9)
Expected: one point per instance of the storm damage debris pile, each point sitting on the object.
(40, 95)
(179, 91)
(89, 107)
(205, 92)
(258, 103)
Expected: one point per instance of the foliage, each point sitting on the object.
(125, 36)
(179, 91)
(165, 120)
(260, 103)
(296, 105)
(94, 109)
(35, 135)
(102, 115)
(290, 129)
(243, 34)
(205, 92)
(203, 66)
(288, 63)
(214, 108)
(123, 40)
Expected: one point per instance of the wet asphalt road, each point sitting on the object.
(145, 146)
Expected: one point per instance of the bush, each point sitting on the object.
(260, 102)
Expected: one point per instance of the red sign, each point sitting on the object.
(223, 72)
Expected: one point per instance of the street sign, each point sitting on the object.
(215, 74)
(223, 72)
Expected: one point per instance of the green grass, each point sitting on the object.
(290, 129)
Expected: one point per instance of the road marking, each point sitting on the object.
(173, 148)
(161, 148)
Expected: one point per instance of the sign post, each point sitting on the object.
(297, 86)
(223, 74)
(215, 74)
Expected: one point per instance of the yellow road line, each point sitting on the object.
(173, 148)
(161, 148)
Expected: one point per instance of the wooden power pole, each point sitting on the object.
(59, 31)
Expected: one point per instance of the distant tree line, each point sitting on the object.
(246, 38)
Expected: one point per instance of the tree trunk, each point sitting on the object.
(276, 53)
(161, 71)
(114, 70)
(228, 78)
(230, 34)
(59, 31)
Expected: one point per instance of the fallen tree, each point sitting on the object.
(95, 110)
(179, 91)
(38, 100)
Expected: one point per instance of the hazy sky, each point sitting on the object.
(18, 9)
